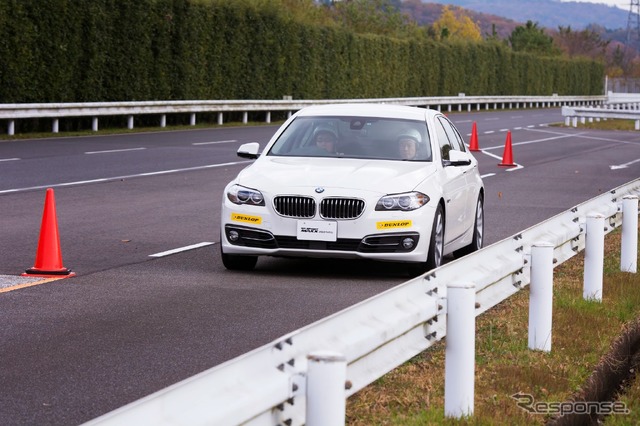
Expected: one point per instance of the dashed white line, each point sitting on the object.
(214, 142)
(9, 159)
(114, 150)
(80, 182)
(181, 249)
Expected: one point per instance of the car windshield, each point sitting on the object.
(354, 137)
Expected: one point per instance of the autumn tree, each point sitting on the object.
(586, 43)
(452, 27)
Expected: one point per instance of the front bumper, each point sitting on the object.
(244, 236)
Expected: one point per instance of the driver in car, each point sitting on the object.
(325, 138)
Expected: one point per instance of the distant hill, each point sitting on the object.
(427, 13)
(548, 13)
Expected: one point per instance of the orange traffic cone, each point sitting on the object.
(473, 144)
(49, 257)
(507, 156)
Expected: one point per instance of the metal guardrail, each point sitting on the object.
(621, 111)
(57, 111)
(266, 386)
(623, 98)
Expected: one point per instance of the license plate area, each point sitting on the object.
(317, 230)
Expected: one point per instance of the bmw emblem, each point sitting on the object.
(319, 190)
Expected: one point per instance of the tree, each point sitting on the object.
(586, 43)
(453, 27)
(532, 39)
(372, 16)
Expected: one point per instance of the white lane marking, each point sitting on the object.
(463, 121)
(625, 165)
(487, 175)
(497, 157)
(162, 172)
(214, 142)
(82, 182)
(504, 130)
(488, 132)
(491, 155)
(57, 185)
(181, 249)
(517, 128)
(530, 142)
(114, 150)
(9, 159)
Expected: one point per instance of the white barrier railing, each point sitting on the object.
(56, 111)
(572, 114)
(270, 385)
(623, 98)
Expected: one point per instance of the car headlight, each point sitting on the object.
(240, 195)
(406, 202)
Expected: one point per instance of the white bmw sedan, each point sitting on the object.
(374, 181)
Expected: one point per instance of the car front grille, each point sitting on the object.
(341, 208)
(295, 206)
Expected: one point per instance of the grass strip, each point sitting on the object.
(583, 334)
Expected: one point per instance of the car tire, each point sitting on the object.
(436, 246)
(478, 231)
(436, 243)
(235, 262)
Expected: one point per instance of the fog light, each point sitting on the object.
(408, 243)
(233, 236)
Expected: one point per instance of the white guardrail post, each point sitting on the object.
(594, 258)
(460, 352)
(629, 249)
(541, 297)
(326, 400)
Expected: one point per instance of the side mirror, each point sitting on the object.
(249, 150)
(457, 158)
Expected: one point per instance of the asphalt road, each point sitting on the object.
(131, 323)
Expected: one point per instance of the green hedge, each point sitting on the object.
(110, 50)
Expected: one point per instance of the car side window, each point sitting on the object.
(454, 137)
(443, 140)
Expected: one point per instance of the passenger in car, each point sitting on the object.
(408, 141)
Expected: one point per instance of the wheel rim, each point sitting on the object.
(479, 224)
(439, 240)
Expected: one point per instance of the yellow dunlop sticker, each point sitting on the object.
(394, 224)
(237, 217)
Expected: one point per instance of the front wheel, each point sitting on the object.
(436, 246)
(478, 231)
(235, 262)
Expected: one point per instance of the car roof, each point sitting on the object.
(369, 110)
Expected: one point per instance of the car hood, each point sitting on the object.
(285, 174)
